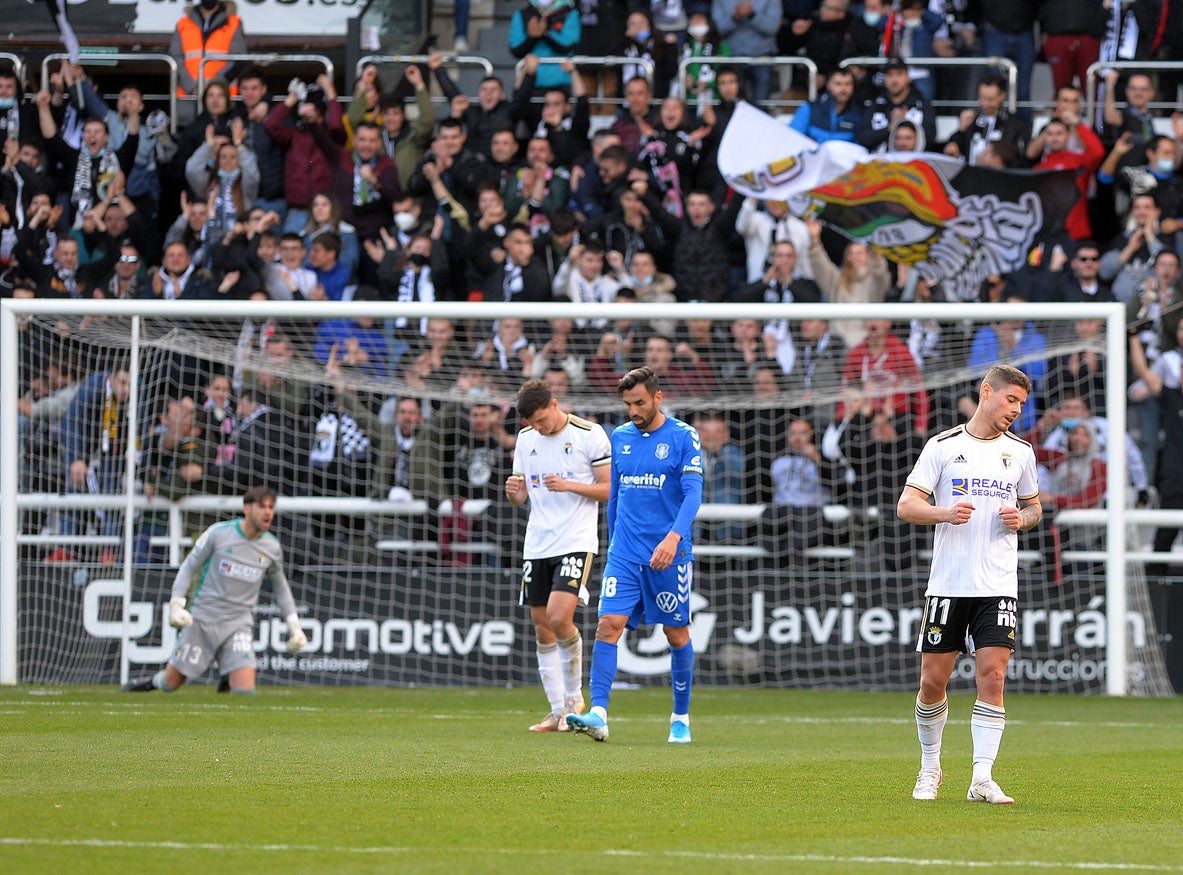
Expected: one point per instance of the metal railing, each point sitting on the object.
(602, 60)
(18, 66)
(103, 60)
(259, 61)
(1092, 76)
(449, 59)
(836, 515)
(757, 61)
(1012, 71)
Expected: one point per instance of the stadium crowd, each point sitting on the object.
(519, 193)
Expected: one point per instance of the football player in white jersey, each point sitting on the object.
(977, 483)
(560, 466)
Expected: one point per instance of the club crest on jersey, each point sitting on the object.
(568, 449)
(662, 451)
(934, 635)
(961, 486)
(1007, 460)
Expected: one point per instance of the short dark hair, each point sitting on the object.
(1005, 151)
(329, 240)
(250, 71)
(257, 494)
(1054, 121)
(994, 79)
(489, 185)
(1001, 376)
(390, 100)
(639, 377)
(563, 221)
(532, 397)
(617, 153)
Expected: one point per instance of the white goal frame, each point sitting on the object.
(1115, 516)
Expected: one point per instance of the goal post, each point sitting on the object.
(152, 330)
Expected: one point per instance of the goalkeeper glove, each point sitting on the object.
(297, 640)
(178, 616)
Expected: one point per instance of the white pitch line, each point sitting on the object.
(191, 707)
(19, 841)
(906, 861)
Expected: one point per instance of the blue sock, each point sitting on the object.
(682, 676)
(603, 672)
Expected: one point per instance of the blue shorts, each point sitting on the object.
(643, 595)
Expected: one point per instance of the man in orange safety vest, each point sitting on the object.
(209, 27)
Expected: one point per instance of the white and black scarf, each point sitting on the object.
(333, 428)
(225, 212)
(69, 280)
(415, 286)
(173, 287)
(115, 289)
(512, 284)
(89, 185)
(12, 122)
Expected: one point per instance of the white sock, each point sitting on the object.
(930, 727)
(571, 654)
(550, 669)
(684, 718)
(986, 727)
(158, 682)
(603, 712)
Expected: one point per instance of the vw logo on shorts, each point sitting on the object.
(667, 601)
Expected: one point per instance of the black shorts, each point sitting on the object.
(566, 573)
(965, 623)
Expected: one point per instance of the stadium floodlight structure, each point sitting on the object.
(154, 328)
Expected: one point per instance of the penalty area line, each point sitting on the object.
(228, 847)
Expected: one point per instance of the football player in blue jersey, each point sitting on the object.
(656, 489)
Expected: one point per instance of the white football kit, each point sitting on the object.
(979, 558)
(561, 522)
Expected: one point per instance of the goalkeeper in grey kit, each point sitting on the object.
(215, 593)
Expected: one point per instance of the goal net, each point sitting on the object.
(388, 432)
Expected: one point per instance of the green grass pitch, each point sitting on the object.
(447, 781)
